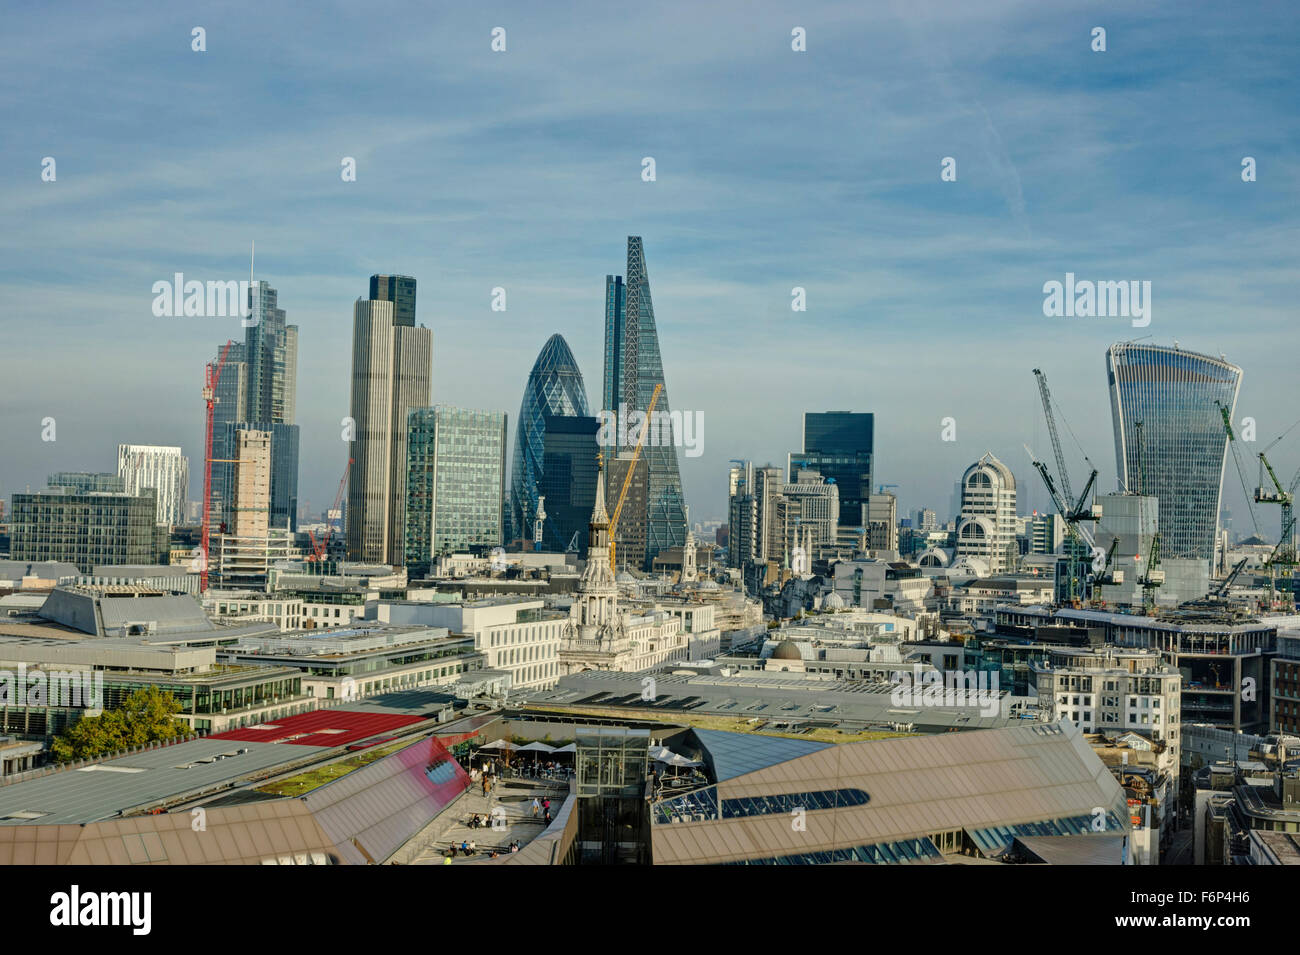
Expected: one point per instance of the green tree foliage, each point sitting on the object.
(146, 716)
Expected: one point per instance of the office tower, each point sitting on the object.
(811, 503)
(838, 445)
(86, 528)
(455, 482)
(630, 536)
(283, 502)
(986, 528)
(1045, 533)
(88, 481)
(633, 367)
(271, 353)
(759, 521)
(1183, 448)
(391, 373)
(926, 520)
(250, 485)
(882, 522)
(258, 391)
(164, 469)
(398, 289)
(570, 468)
(554, 389)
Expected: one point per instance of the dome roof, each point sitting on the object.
(787, 650)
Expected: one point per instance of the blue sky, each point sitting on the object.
(775, 169)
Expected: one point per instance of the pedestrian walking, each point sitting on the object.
(537, 808)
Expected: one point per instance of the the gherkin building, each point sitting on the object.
(554, 390)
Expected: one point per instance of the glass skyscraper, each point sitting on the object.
(398, 289)
(633, 366)
(554, 389)
(568, 481)
(258, 391)
(455, 482)
(839, 445)
(1172, 392)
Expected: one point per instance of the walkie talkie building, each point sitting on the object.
(1173, 393)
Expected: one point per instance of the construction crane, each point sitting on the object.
(1079, 540)
(1152, 577)
(211, 377)
(320, 549)
(627, 480)
(1046, 397)
(1236, 458)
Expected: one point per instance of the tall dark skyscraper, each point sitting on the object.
(633, 366)
(839, 444)
(398, 289)
(258, 392)
(554, 391)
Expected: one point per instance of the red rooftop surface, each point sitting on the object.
(320, 728)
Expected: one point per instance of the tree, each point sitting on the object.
(146, 716)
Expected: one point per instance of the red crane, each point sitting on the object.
(319, 547)
(212, 375)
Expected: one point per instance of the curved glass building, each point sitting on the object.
(1184, 446)
(555, 391)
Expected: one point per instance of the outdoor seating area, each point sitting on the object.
(534, 760)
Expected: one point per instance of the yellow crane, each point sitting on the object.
(631, 469)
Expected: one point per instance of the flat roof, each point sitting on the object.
(323, 728)
(759, 695)
(103, 790)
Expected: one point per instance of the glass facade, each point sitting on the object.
(839, 445)
(554, 390)
(568, 481)
(881, 853)
(704, 804)
(1184, 445)
(85, 528)
(398, 289)
(633, 367)
(455, 482)
(88, 481)
(258, 391)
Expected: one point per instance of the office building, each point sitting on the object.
(633, 367)
(1179, 458)
(569, 473)
(554, 392)
(164, 470)
(250, 498)
(257, 391)
(839, 446)
(398, 289)
(283, 471)
(86, 528)
(986, 527)
(882, 523)
(629, 538)
(811, 508)
(1045, 533)
(88, 481)
(392, 365)
(455, 482)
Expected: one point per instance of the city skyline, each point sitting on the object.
(940, 291)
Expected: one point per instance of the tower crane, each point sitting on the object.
(627, 480)
(320, 550)
(1079, 540)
